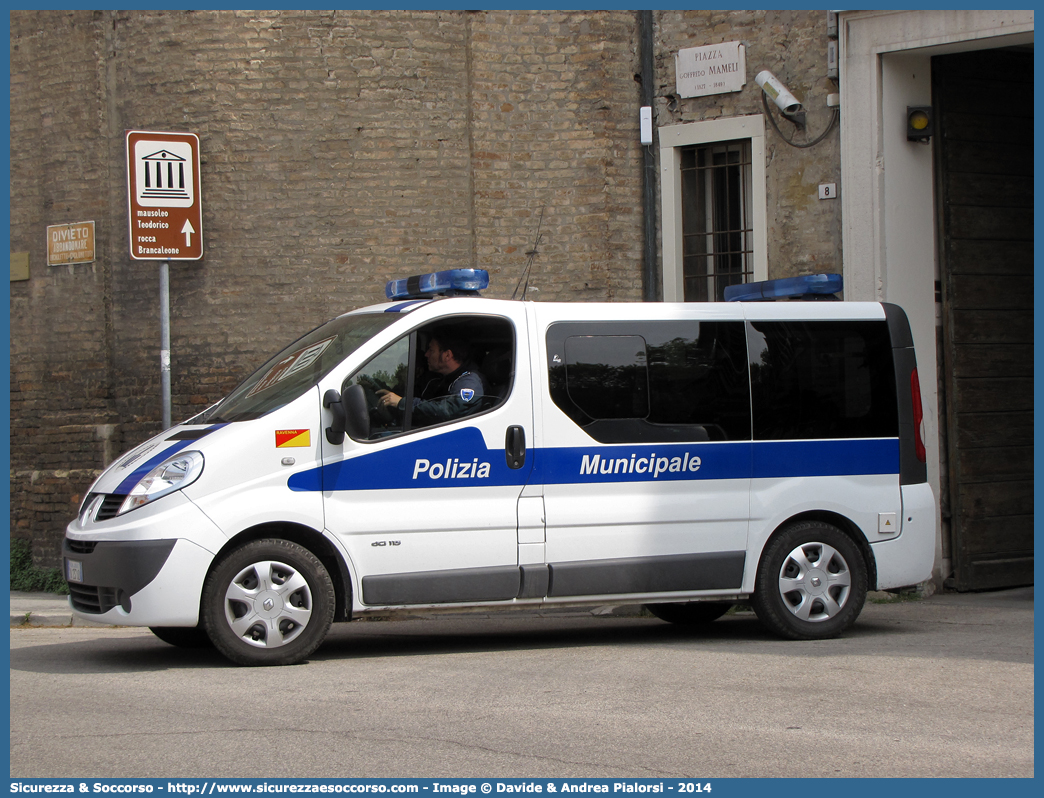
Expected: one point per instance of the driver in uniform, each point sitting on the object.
(453, 392)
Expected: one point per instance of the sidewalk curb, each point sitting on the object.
(30, 610)
(28, 620)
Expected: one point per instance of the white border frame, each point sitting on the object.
(888, 227)
(874, 149)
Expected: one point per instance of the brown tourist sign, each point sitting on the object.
(163, 196)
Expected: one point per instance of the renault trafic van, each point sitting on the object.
(444, 450)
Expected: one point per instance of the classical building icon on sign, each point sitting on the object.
(164, 174)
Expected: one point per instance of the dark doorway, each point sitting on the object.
(983, 103)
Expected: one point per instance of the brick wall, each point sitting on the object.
(60, 322)
(555, 123)
(338, 149)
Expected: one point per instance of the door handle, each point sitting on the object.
(515, 447)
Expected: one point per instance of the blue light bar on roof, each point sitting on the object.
(452, 282)
(812, 286)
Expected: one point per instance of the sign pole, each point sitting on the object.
(165, 217)
(165, 339)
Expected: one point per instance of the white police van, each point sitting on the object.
(684, 456)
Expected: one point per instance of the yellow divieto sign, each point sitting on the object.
(70, 243)
(293, 438)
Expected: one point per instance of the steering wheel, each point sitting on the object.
(378, 411)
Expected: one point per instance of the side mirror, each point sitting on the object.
(332, 402)
(356, 412)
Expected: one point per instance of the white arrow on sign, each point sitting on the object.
(188, 230)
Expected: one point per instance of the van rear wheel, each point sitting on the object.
(692, 613)
(269, 602)
(811, 582)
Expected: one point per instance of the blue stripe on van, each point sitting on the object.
(135, 476)
(403, 305)
(456, 459)
(643, 462)
(460, 459)
(833, 458)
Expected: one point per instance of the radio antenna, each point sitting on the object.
(530, 257)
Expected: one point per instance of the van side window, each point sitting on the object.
(822, 380)
(607, 375)
(439, 373)
(651, 381)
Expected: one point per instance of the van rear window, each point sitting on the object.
(822, 380)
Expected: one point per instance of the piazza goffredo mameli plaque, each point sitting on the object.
(712, 69)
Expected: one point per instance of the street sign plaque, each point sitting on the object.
(163, 196)
(70, 243)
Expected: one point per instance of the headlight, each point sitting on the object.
(172, 474)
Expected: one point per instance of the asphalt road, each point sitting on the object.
(937, 687)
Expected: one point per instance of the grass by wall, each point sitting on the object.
(25, 576)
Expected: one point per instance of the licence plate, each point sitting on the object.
(74, 570)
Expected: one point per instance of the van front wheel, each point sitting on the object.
(811, 582)
(692, 613)
(183, 636)
(269, 602)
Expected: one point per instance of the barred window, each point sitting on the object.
(717, 222)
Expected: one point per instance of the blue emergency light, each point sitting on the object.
(452, 282)
(810, 286)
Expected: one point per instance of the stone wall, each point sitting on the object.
(804, 232)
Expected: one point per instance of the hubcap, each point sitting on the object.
(814, 582)
(268, 604)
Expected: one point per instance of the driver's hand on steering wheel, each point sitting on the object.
(388, 398)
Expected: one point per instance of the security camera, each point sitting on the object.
(784, 100)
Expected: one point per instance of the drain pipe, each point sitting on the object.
(651, 289)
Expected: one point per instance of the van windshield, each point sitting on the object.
(297, 368)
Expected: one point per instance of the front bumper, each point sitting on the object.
(144, 568)
(134, 583)
(105, 574)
